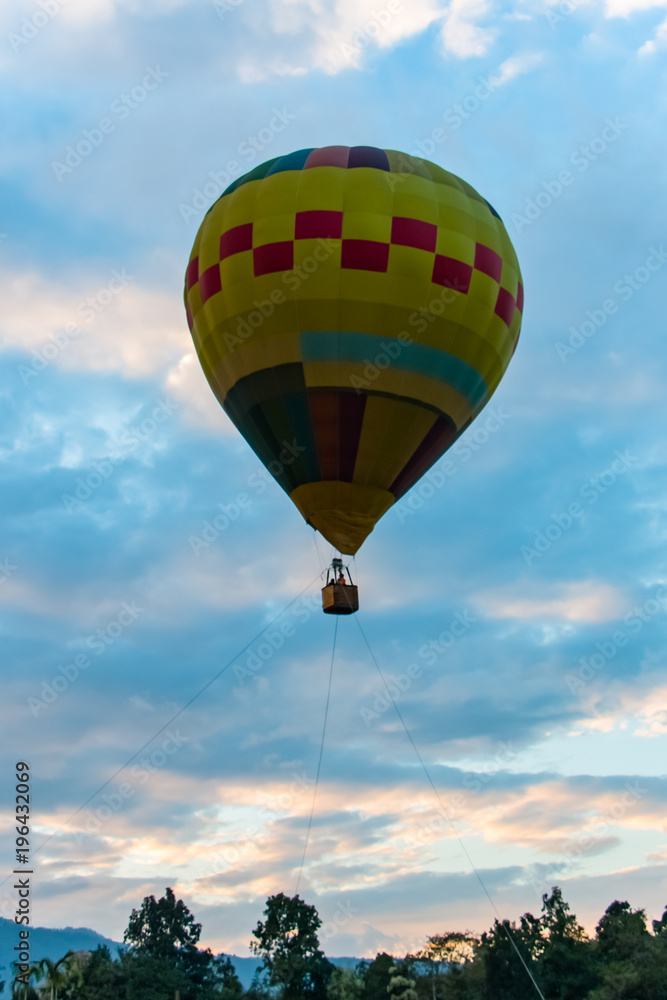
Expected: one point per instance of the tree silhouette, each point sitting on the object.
(55, 974)
(288, 944)
(162, 929)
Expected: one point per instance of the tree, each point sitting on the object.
(223, 982)
(103, 978)
(566, 962)
(149, 978)
(259, 987)
(345, 984)
(453, 947)
(510, 957)
(660, 926)
(22, 992)
(55, 974)
(376, 976)
(74, 976)
(288, 944)
(631, 963)
(445, 954)
(162, 929)
(163, 936)
(621, 932)
(400, 987)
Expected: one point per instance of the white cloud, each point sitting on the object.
(462, 34)
(174, 590)
(332, 38)
(516, 65)
(86, 12)
(625, 8)
(186, 383)
(213, 578)
(639, 708)
(659, 42)
(107, 323)
(579, 601)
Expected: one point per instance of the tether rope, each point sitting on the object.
(322, 561)
(319, 762)
(447, 817)
(174, 717)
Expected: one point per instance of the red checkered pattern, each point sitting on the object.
(364, 255)
(236, 240)
(412, 233)
(192, 274)
(325, 224)
(488, 261)
(451, 273)
(361, 255)
(209, 282)
(505, 304)
(273, 257)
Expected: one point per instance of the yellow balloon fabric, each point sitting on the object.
(353, 309)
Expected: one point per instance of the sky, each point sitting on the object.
(515, 600)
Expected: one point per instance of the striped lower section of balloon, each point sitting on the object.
(337, 435)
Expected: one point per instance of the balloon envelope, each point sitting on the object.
(353, 310)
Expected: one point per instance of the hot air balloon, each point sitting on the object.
(353, 310)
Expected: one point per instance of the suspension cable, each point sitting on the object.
(175, 716)
(319, 762)
(510, 938)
